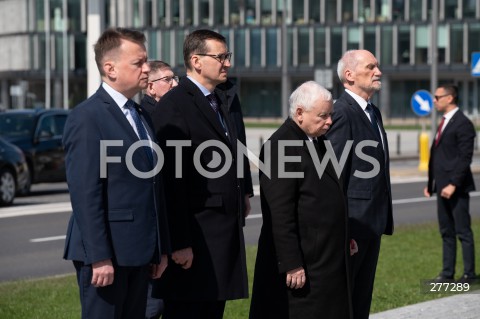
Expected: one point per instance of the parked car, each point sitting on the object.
(13, 172)
(38, 133)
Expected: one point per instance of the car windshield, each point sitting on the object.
(16, 125)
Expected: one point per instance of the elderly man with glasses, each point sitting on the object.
(160, 80)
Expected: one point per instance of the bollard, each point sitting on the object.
(398, 144)
(424, 152)
(261, 142)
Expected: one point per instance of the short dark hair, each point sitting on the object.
(111, 39)
(156, 65)
(195, 42)
(451, 89)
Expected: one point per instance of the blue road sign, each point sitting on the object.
(475, 63)
(422, 102)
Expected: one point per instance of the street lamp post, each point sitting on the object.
(48, 97)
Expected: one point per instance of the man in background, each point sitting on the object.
(160, 80)
(450, 176)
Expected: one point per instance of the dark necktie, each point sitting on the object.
(216, 107)
(373, 121)
(439, 130)
(142, 132)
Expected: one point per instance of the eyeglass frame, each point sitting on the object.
(438, 97)
(165, 79)
(218, 57)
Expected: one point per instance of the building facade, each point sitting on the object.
(317, 32)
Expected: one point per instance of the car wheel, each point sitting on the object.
(7, 187)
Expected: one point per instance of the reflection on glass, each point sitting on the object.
(314, 11)
(364, 11)
(382, 10)
(369, 39)
(353, 38)
(234, 13)
(336, 44)
(398, 11)
(297, 11)
(330, 10)
(451, 9)
(473, 36)
(469, 8)
(204, 12)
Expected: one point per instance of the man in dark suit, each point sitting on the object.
(366, 173)
(160, 80)
(449, 175)
(205, 201)
(302, 261)
(117, 236)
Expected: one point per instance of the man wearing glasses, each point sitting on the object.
(160, 80)
(450, 176)
(205, 211)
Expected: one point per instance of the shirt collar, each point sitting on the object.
(450, 114)
(363, 104)
(201, 87)
(118, 97)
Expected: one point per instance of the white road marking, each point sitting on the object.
(44, 239)
(39, 209)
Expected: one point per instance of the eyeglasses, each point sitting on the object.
(219, 57)
(438, 97)
(167, 79)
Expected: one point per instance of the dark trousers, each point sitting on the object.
(454, 221)
(193, 309)
(363, 267)
(126, 298)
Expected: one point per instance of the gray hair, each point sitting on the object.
(306, 95)
(349, 60)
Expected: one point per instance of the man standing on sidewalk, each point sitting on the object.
(450, 176)
(369, 198)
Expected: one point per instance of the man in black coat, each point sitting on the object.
(357, 127)
(449, 175)
(301, 269)
(205, 201)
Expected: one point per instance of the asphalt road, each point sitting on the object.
(32, 240)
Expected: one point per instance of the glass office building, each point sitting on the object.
(317, 32)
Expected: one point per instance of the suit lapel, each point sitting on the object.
(203, 105)
(450, 123)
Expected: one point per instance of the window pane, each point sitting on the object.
(234, 12)
(219, 8)
(386, 44)
(383, 10)
(319, 46)
(353, 40)
(261, 99)
(266, 7)
(456, 43)
(166, 47)
(255, 47)
(204, 12)
(330, 10)
(422, 42)
(161, 12)
(415, 10)
(451, 9)
(364, 11)
(398, 12)
(347, 10)
(336, 44)
(80, 52)
(188, 11)
(303, 46)
(250, 17)
(179, 38)
(297, 11)
(239, 55)
(469, 8)
(175, 12)
(314, 10)
(473, 36)
(271, 49)
(404, 44)
(441, 42)
(152, 45)
(369, 39)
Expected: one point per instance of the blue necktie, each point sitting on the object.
(216, 107)
(142, 132)
(373, 121)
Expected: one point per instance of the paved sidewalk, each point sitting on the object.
(464, 306)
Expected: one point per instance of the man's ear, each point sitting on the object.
(299, 113)
(195, 62)
(109, 69)
(348, 75)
